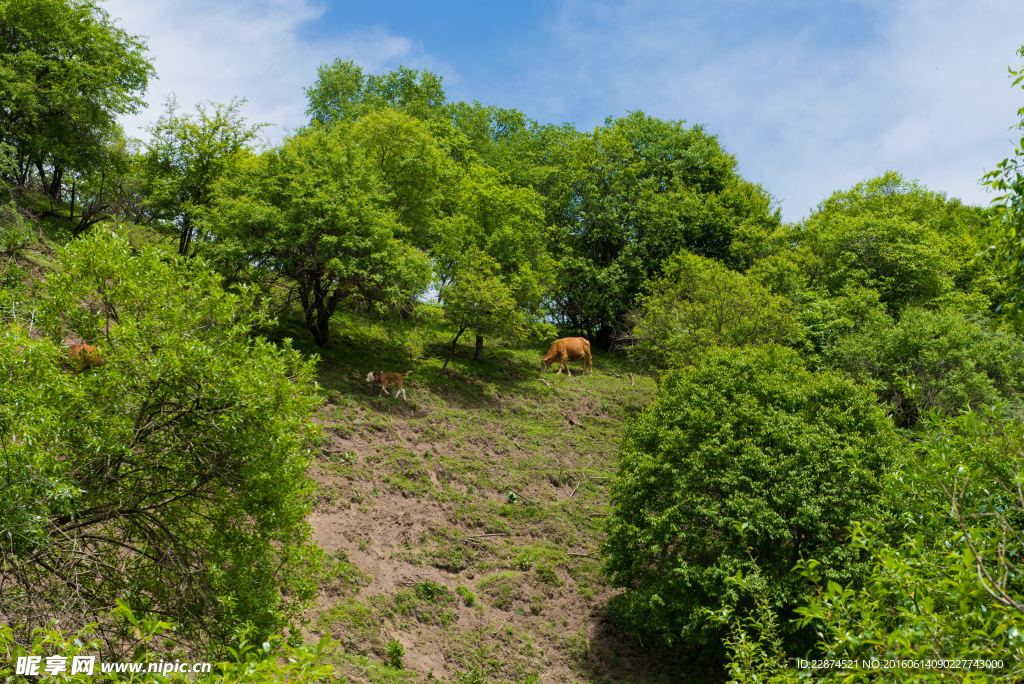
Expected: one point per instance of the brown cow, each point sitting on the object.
(565, 350)
(82, 356)
(384, 379)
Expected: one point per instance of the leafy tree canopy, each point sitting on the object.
(185, 157)
(343, 92)
(320, 211)
(66, 74)
(699, 303)
(629, 195)
(745, 437)
(173, 476)
(506, 223)
(909, 244)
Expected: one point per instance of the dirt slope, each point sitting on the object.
(466, 522)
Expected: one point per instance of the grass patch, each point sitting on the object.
(353, 624)
(468, 597)
(502, 588)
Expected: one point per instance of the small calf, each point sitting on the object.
(384, 379)
(82, 356)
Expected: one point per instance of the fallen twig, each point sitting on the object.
(524, 498)
(585, 476)
(547, 383)
(580, 555)
(499, 629)
(492, 534)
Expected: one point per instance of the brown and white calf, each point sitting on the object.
(384, 379)
(565, 350)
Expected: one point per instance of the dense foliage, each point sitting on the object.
(907, 243)
(745, 437)
(174, 475)
(184, 158)
(837, 427)
(316, 211)
(1008, 250)
(699, 303)
(627, 196)
(947, 591)
(66, 74)
(940, 359)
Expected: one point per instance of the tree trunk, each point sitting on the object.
(317, 313)
(185, 239)
(451, 352)
(56, 182)
(604, 338)
(478, 355)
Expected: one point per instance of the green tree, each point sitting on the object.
(699, 303)
(503, 139)
(505, 223)
(746, 437)
(480, 300)
(909, 244)
(185, 158)
(413, 170)
(342, 92)
(174, 476)
(627, 196)
(66, 74)
(111, 190)
(316, 218)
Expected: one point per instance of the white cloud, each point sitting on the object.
(921, 88)
(219, 49)
(808, 103)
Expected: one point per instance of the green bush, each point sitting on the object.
(951, 589)
(948, 592)
(932, 360)
(396, 654)
(468, 596)
(14, 229)
(181, 462)
(701, 303)
(433, 592)
(750, 437)
(254, 661)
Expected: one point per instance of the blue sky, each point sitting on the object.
(811, 97)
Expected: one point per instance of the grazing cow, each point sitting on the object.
(82, 356)
(565, 350)
(384, 379)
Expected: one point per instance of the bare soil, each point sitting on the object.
(468, 521)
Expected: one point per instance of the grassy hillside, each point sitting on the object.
(466, 521)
